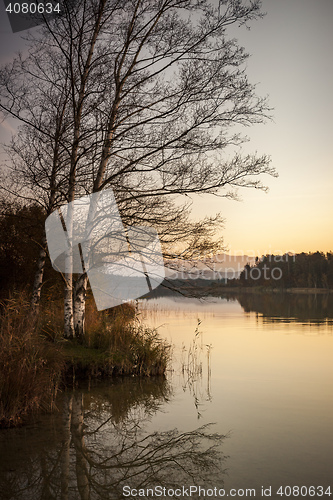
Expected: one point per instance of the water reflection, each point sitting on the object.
(287, 307)
(97, 444)
(192, 367)
(274, 306)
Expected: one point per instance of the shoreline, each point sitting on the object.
(303, 291)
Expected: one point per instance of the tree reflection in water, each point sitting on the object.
(97, 444)
(286, 307)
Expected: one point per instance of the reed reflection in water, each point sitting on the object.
(97, 444)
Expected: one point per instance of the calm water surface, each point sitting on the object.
(270, 387)
(259, 367)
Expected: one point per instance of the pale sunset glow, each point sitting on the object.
(291, 63)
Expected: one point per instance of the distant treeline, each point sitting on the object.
(302, 270)
(21, 231)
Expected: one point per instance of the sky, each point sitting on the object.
(291, 62)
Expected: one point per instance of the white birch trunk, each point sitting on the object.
(38, 281)
(79, 299)
(80, 291)
(68, 307)
(68, 291)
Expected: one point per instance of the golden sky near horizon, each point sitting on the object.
(291, 62)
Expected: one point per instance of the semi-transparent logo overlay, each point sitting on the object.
(87, 235)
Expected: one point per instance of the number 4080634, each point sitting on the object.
(33, 8)
(304, 491)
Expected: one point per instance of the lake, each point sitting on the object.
(247, 404)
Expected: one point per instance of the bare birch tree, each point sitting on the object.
(158, 92)
(35, 174)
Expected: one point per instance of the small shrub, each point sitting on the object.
(132, 347)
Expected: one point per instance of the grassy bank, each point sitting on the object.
(35, 360)
(129, 349)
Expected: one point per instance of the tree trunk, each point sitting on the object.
(68, 307)
(80, 291)
(68, 276)
(38, 281)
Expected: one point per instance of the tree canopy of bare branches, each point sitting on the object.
(147, 97)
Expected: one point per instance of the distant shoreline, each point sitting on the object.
(203, 287)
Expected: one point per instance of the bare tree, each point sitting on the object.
(158, 92)
(35, 174)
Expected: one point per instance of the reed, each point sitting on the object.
(30, 367)
(192, 368)
(125, 345)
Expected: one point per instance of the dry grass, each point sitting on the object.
(30, 367)
(34, 356)
(131, 347)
